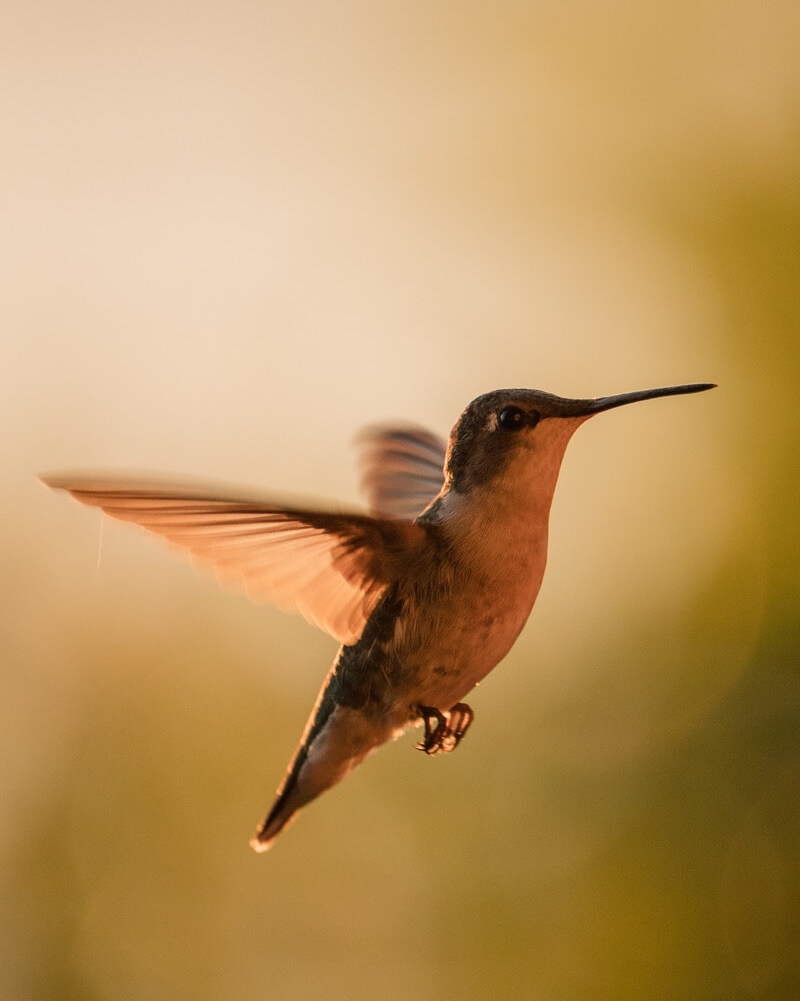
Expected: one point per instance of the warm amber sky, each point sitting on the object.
(231, 235)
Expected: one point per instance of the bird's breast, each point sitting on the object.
(458, 625)
(439, 632)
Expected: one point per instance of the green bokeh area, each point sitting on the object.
(623, 822)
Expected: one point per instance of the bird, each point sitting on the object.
(426, 592)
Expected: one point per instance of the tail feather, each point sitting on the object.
(337, 739)
(264, 838)
(282, 812)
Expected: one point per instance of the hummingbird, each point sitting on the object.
(426, 593)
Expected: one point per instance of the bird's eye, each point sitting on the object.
(512, 419)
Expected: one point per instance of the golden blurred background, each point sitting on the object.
(233, 234)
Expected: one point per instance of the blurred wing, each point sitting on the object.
(402, 469)
(331, 568)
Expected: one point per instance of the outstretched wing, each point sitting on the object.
(402, 469)
(331, 568)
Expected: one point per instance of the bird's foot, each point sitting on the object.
(461, 717)
(443, 733)
(435, 727)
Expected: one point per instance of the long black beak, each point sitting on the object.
(591, 407)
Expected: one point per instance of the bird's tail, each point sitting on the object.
(336, 740)
(279, 816)
(289, 796)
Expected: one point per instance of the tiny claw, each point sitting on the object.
(432, 741)
(447, 732)
(461, 717)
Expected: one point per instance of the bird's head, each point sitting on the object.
(526, 428)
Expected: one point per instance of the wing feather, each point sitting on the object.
(402, 469)
(331, 568)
